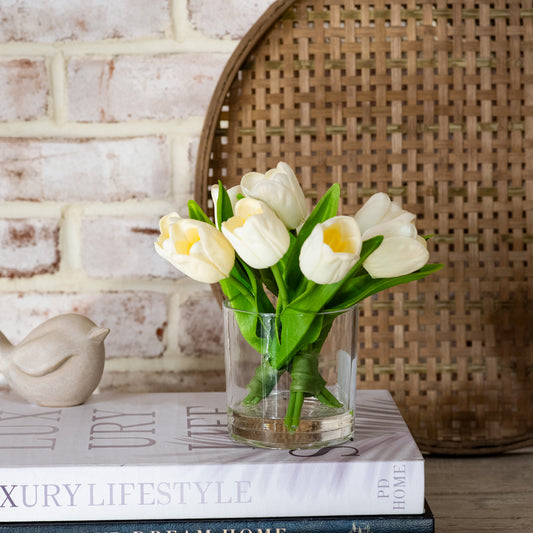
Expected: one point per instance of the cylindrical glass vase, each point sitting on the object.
(303, 398)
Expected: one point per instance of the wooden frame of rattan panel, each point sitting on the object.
(432, 103)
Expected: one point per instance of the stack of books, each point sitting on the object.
(146, 463)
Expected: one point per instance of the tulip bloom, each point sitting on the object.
(402, 250)
(280, 190)
(195, 248)
(331, 250)
(397, 256)
(257, 234)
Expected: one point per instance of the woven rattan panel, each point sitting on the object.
(432, 103)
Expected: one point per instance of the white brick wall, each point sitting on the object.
(29, 247)
(24, 89)
(104, 170)
(101, 108)
(141, 87)
(82, 20)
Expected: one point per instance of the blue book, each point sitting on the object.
(423, 523)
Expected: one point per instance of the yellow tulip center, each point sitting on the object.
(184, 246)
(245, 212)
(333, 238)
(251, 210)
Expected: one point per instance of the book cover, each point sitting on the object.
(168, 456)
(424, 523)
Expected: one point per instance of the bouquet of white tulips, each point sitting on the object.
(270, 256)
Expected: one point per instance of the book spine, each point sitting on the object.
(407, 524)
(226, 491)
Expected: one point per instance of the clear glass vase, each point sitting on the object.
(307, 398)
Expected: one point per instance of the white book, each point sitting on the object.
(168, 455)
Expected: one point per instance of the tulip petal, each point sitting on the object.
(400, 225)
(392, 212)
(396, 256)
(245, 243)
(299, 197)
(280, 190)
(372, 211)
(164, 225)
(215, 249)
(324, 266)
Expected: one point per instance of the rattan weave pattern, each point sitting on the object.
(431, 102)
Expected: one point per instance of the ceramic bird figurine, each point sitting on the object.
(59, 364)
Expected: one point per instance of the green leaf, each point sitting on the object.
(243, 311)
(364, 286)
(268, 279)
(325, 209)
(284, 261)
(262, 383)
(350, 293)
(313, 333)
(262, 303)
(245, 293)
(196, 212)
(327, 323)
(224, 207)
(237, 290)
(305, 376)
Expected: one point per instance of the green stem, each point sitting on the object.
(282, 288)
(243, 289)
(292, 418)
(290, 410)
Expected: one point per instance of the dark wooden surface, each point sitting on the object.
(482, 494)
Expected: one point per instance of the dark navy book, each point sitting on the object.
(423, 523)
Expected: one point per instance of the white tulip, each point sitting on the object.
(257, 234)
(402, 251)
(233, 193)
(195, 248)
(280, 190)
(331, 250)
(397, 256)
(372, 211)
